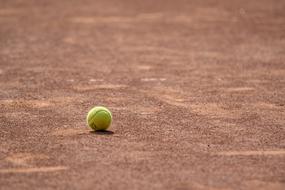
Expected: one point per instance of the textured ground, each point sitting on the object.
(197, 91)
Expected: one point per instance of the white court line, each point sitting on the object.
(33, 170)
(96, 80)
(152, 79)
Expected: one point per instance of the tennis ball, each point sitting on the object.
(99, 118)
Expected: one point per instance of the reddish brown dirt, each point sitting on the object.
(196, 89)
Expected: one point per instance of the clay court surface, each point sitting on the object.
(196, 88)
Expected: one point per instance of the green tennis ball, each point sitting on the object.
(99, 118)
